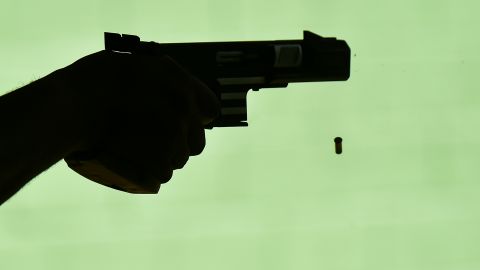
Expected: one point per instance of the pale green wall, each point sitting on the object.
(404, 195)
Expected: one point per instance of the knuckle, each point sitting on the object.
(166, 176)
(198, 144)
(180, 161)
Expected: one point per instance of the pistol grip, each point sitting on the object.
(111, 171)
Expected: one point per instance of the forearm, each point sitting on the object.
(37, 130)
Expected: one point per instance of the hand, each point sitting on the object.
(146, 110)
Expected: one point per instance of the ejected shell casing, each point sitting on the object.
(338, 145)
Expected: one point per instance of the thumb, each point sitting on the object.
(208, 103)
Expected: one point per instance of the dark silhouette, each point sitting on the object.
(230, 69)
(128, 116)
(146, 111)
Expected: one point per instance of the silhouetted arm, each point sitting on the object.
(36, 130)
(146, 110)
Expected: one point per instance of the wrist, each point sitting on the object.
(71, 112)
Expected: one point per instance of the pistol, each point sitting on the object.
(230, 70)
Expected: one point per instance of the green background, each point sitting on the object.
(404, 195)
